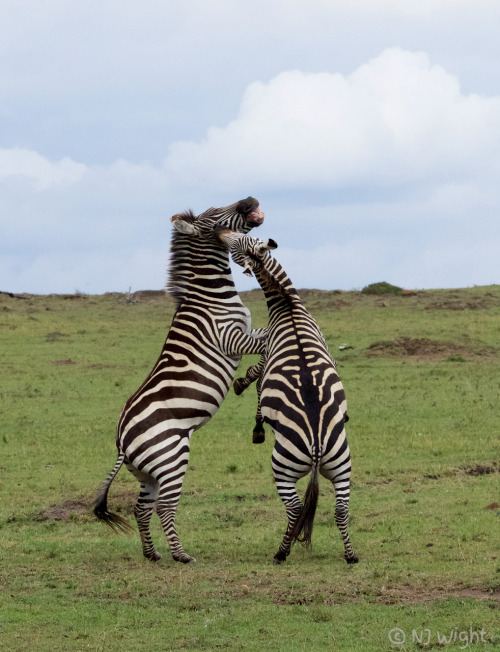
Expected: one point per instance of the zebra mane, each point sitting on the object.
(179, 271)
(289, 293)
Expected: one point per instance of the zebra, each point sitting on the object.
(209, 333)
(300, 396)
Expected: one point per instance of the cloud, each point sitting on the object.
(392, 168)
(17, 164)
(408, 7)
(396, 120)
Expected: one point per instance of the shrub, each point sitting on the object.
(382, 288)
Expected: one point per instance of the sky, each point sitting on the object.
(369, 130)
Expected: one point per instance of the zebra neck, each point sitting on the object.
(199, 271)
(278, 289)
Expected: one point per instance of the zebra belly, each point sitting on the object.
(162, 442)
(153, 432)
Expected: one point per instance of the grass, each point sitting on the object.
(424, 440)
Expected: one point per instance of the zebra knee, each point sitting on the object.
(341, 513)
(293, 512)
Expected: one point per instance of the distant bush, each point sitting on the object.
(382, 288)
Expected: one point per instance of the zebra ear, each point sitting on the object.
(266, 246)
(183, 227)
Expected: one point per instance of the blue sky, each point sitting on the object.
(369, 130)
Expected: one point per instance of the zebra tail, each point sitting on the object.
(114, 521)
(303, 527)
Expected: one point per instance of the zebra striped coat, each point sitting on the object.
(301, 398)
(210, 332)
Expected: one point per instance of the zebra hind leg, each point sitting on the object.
(293, 511)
(294, 507)
(143, 511)
(342, 519)
(166, 511)
(339, 476)
(166, 507)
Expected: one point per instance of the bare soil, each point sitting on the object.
(423, 348)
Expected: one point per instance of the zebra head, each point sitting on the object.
(253, 255)
(250, 253)
(197, 254)
(240, 217)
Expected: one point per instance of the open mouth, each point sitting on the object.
(256, 217)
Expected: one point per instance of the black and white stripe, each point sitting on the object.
(210, 332)
(301, 398)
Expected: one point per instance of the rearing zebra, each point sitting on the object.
(301, 398)
(210, 332)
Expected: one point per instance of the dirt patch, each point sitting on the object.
(121, 503)
(98, 365)
(388, 595)
(64, 511)
(481, 469)
(63, 362)
(411, 595)
(338, 304)
(478, 304)
(470, 469)
(73, 297)
(419, 347)
(149, 295)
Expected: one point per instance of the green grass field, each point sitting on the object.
(423, 387)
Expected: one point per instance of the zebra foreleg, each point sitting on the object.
(240, 384)
(253, 373)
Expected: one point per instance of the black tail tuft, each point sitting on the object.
(114, 521)
(303, 527)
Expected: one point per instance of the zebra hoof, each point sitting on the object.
(184, 558)
(238, 386)
(351, 560)
(258, 437)
(154, 556)
(279, 558)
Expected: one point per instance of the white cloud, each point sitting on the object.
(406, 7)
(397, 119)
(392, 168)
(24, 164)
(89, 271)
